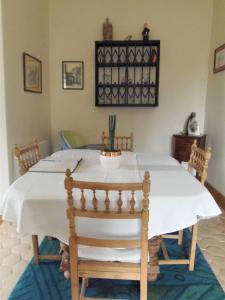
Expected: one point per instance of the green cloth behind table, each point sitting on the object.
(72, 139)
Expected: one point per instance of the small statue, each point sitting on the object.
(145, 32)
(192, 127)
(107, 30)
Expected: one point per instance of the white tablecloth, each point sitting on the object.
(36, 202)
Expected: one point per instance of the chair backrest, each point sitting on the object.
(124, 143)
(89, 208)
(27, 156)
(199, 160)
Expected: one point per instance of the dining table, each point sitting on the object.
(36, 202)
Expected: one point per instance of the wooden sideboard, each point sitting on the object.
(181, 145)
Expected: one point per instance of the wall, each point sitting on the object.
(215, 104)
(25, 27)
(4, 173)
(184, 30)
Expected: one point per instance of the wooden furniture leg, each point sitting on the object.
(164, 250)
(38, 256)
(180, 237)
(153, 248)
(35, 249)
(83, 288)
(191, 260)
(193, 247)
(74, 271)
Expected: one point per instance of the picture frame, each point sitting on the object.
(219, 59)
(73, 75)
(32, 73)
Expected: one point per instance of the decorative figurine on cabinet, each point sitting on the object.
(192, 125)
(145, 32)
(107, 30)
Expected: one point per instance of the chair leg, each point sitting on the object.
(73, 269)
(193, 247)
(180, 237)
(144, 287)
(35, 249)
(144, 271)
(83, 288)
(86, 283)
(164, 250)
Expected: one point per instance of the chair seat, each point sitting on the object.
(109, 254)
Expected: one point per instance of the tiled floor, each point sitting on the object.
(211, 239)
(16, 251)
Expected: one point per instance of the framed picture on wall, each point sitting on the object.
(32, 74)
(73, 75)
(219, 59)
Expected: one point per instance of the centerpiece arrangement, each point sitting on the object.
(110, 157)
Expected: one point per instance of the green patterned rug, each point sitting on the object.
(46, 282)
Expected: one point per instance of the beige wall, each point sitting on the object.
(215, 105)
(4, 172)
(25, 26)
(184, 30)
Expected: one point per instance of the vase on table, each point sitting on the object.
(110, 158)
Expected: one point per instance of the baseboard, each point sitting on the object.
(220, 198)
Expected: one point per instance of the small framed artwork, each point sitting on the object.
(73, 75)
(219, 59)
(32, 74)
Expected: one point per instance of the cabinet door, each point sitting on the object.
(182, 146)
(183, 149)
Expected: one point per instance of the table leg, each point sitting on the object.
(35, 249)
(153, 248)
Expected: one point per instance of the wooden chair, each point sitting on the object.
(198, 162)
(124, 143)
(28, 156)
(87, 268)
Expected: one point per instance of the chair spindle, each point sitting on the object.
(120, 202)
(82, 200)
(132, 202)
(107, 201)
(95, 201)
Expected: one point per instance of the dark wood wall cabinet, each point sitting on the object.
(182, 145)
(127, 73)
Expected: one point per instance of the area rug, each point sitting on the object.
(46, 282)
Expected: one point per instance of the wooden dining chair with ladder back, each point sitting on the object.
(123, 143)
(101, 256)
(27, 156)
(198, 166)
